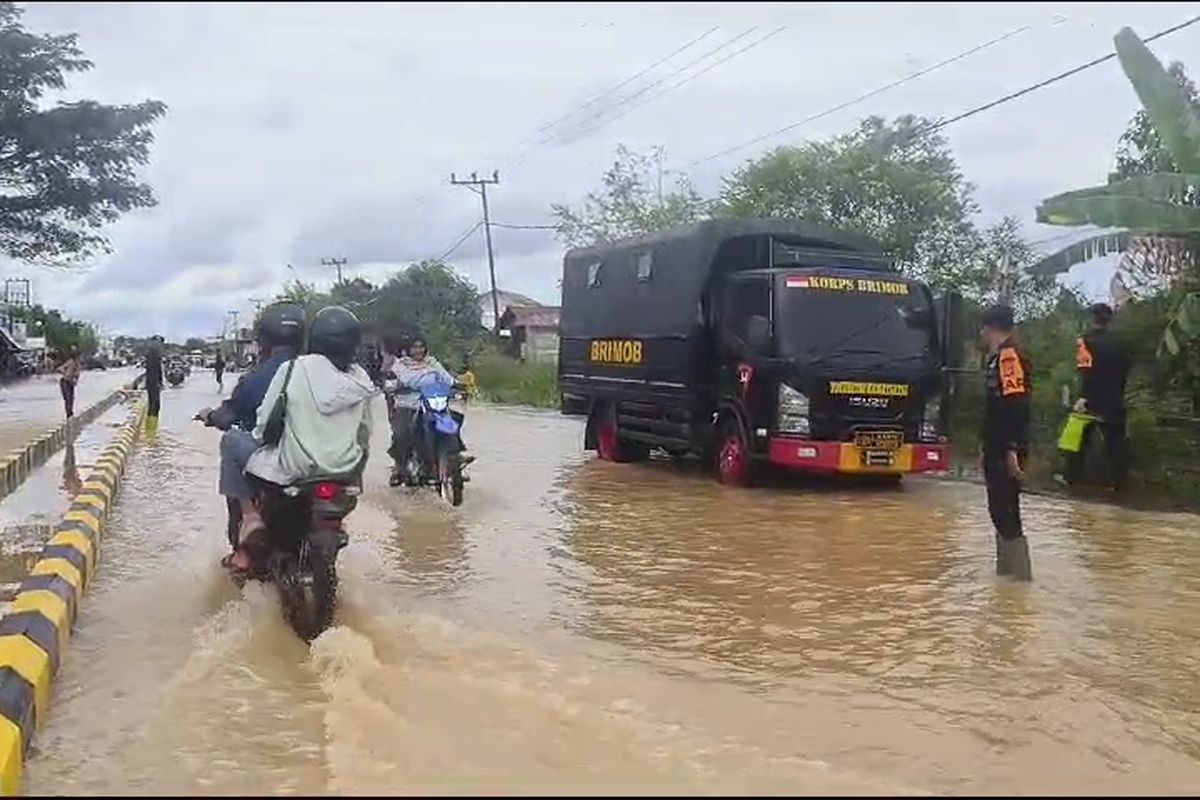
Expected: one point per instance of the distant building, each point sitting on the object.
(505, 300)
(532, 332)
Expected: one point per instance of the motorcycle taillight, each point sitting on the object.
(327, 491)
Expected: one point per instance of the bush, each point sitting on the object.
(505, 380)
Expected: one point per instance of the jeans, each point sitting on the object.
(402, 434)
(237, 446)
(68, 394)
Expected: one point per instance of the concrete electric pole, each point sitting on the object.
(483, 183)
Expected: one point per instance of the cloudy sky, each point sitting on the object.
(302, 131)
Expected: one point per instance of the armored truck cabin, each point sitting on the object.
(754, 343)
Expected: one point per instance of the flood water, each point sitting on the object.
(586, 627)
(31, 406)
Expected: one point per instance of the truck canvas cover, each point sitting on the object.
(633, 311)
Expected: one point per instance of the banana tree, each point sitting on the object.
(1157, 216)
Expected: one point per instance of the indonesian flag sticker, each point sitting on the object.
(796, 282)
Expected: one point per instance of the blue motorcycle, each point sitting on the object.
(436, 458)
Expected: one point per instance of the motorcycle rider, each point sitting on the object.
(409, 370)
(279, 332)
(327, 416)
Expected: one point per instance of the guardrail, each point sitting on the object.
(16, 466)
(34, 632)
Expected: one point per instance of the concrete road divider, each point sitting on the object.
(16, 466)
(34, 632)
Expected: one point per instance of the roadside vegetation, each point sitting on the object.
(511, 382)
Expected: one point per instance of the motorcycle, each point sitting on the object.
(298, 550)
(436, 457)
(176, 374)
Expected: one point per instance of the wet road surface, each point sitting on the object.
(588, 627)
(31, 406)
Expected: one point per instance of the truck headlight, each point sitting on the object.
(930, 419)
(793, 411)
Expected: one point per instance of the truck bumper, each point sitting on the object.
(844, 458)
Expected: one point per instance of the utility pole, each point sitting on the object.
(483, 183)
(1005, 288)
(237, 336)
(336, 263)
(658, 154)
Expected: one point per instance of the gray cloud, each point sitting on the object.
(307, 130)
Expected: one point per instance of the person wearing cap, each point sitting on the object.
(1102, 362)
(1006, 438)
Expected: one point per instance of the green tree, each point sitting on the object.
(299, 292)
(354, 292)
(631, 203)
(886, 179)
(1140, 150)
(1156, 214)
(429, 298)
(69, 168)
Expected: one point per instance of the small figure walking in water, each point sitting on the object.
(69, 369)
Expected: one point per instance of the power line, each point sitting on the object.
(660, 81)
(1042, 84)
(860, 98)
(459, 242)
(524, 227)
(547, 126)
(689, 78)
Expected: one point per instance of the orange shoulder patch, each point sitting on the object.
(1012, 373)
(1083, 355)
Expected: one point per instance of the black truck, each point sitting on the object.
(756, 343)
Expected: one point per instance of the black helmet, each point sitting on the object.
(335, 333)
(280, 325)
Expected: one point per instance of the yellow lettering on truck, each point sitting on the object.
(623, 352)
(869, 389)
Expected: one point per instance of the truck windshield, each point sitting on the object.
(820, 318)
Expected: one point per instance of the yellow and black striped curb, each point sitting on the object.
(18, 464)
(33, 634)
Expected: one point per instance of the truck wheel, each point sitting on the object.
(608, 443)
(611, 446)
(734, 465)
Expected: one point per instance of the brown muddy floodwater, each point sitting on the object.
(594, 628)
(31, 406)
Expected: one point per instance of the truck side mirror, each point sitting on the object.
(758, 335)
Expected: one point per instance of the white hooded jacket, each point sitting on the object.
(327, 422)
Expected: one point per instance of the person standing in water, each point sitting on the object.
(1005, 438)
(69, 370)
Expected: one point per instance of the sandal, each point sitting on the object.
(231, 561)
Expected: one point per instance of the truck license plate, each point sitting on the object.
(879, 440)
(878, 448)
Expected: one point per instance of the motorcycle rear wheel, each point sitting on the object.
(309, 606)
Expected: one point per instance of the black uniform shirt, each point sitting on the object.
(1006, 417)
(1103, 367)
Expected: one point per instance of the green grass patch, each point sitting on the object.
(505, 380)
